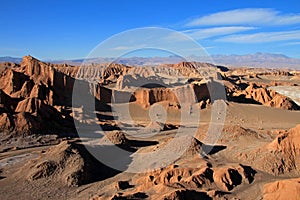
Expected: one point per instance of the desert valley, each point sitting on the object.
(188, 130)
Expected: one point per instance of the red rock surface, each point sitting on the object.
(282, 190)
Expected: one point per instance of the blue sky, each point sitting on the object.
(71, 29)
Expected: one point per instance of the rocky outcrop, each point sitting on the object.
(7, 103)
(6, 122)
(37, 107)
(103, 73)
(68, 163)
(34, 116)
(138, 81)
(53, 86)
(259, 94)
(281, 156)
(107, 95)
(12, 81)
(196, 69)
(187, 94)
(227, 178)
(283, 189)
(26, 124)
(37, 70)
(187, 179)
(286, 151)
(28, 95)
(173, 175)
(280, 101)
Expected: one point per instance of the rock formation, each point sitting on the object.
(283, 189)
(260, 94)
(29, 94)
(36, 99)
(68, 163)
(281, 156)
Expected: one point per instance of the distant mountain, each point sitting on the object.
(152, 61)
(142, 61)
(10, 59)
(257, 60)
(261, 60)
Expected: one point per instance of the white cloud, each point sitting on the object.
(262, 37)
(198, 34)
(121, 48)
(216, 31)
(292, 43)
(249, 17)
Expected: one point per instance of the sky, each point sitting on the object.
(72, 29)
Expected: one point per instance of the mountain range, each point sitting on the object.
(257, 60)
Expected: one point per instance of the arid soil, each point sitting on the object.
(175, 131)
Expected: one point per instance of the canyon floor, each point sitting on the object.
(180, 131)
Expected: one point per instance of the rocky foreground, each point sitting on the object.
(47, 136)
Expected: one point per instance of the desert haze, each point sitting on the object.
(46, 136)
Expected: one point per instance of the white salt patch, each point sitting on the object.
(292, 92)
